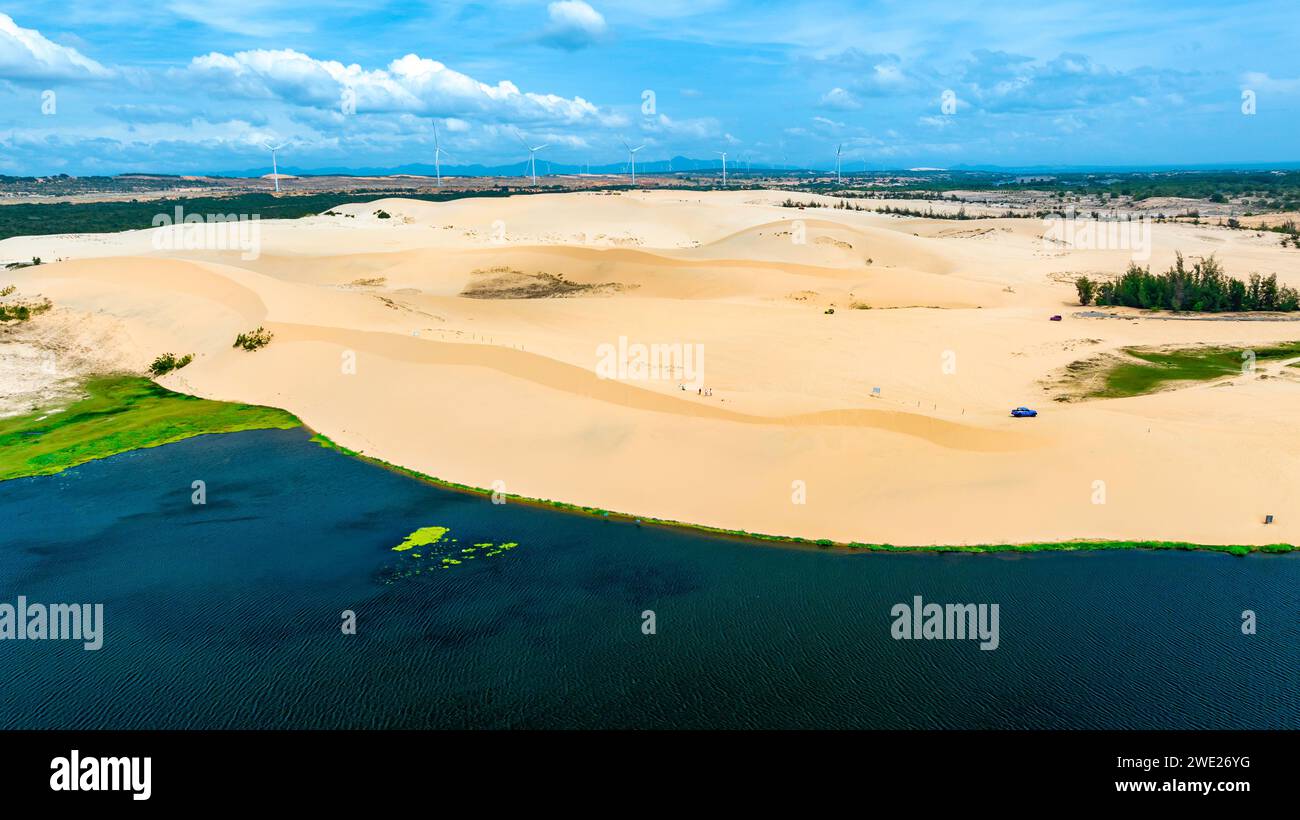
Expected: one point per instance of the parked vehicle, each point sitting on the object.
(1056, 318)
(1024, 413)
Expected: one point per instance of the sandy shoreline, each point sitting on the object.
(492, 392)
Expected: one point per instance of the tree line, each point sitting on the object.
(1202, 288)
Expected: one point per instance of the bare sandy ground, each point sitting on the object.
(498, 389)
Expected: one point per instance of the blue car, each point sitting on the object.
(1024, 413)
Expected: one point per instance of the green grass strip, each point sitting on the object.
(117, 414)
(1155, 368)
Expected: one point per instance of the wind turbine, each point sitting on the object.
(723, 154)
(275, 171)
(631, 156)
(532, 155)
(437, 155)
(838, 152)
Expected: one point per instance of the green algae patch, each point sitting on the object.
(423, 537)
(440, 550)
(115, 415)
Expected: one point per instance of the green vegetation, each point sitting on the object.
(36, 260)
(1290, 232)
(1259, 190)
(840, 205)
(254, 339)
(64, 185)
(34, 219)
(960, 214)
(444, 554)
(168, 362)
(1086, 288)
(929, 213)
(1071, 546)
(422, 537)
(119, 413)
(23, 311)
(1203, 288)
(1155, 368)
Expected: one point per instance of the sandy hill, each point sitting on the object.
(477, 328)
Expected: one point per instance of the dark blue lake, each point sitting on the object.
(228, 615)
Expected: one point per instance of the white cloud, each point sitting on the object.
(27, 55)
(1259, 81)
(888, 75)
(862, 74)
(573, 25)
(411, 84)
(1068, 123)
(702, 128)
(253, 18)
(840, 100)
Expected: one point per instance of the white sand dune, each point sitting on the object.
(479, 390)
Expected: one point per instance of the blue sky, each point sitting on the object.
(193, 86)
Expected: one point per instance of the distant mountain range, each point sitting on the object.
(688, 165)
(518, 169)
(680, 164)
